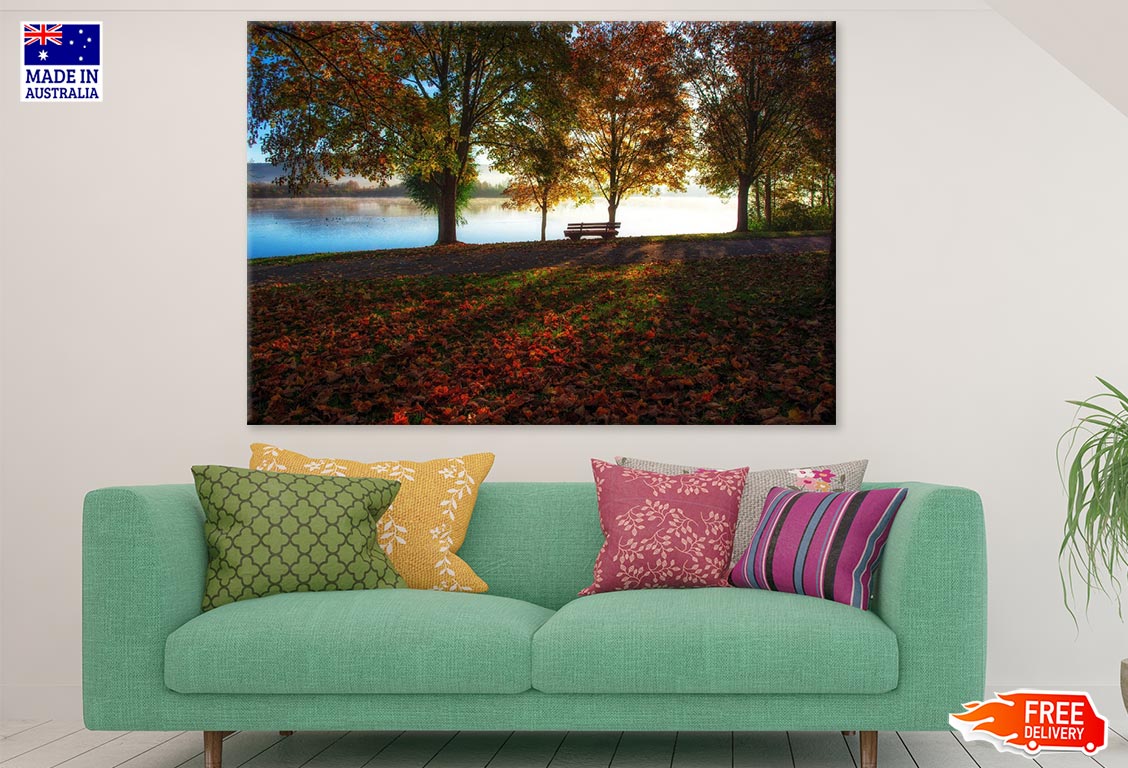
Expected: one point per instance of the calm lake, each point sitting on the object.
(284, 227)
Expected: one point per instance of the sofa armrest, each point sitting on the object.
(932, 592)
(143, 564)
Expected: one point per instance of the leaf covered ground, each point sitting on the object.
(727, 340)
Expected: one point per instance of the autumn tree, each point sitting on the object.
(373, 100)
(632, 115)
(536, 146)
(817, 97)
(819, 105)
(320, 103)
(746, 81)
(425, 192)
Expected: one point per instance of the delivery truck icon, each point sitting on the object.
(1028, 721)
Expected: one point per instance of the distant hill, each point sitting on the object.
(261, 178)
(262, 173)
(265, 173)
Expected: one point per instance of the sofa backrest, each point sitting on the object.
(537, 541)
(534, 541)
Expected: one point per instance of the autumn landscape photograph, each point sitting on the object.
(541, 223)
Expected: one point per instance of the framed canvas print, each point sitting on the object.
(541, 222)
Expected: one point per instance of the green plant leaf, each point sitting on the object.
(1093, 456)
(1120, 395)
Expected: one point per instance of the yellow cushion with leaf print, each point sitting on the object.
(425, 526)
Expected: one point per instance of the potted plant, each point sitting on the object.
(1094, 459)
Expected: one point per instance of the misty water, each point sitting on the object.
(285, 227)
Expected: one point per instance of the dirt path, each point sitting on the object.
(510, 257)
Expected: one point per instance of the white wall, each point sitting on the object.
(982, 261)
(1092, 46)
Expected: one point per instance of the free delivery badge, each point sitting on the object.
(1028, 721)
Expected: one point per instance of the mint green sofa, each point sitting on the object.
(530, 654)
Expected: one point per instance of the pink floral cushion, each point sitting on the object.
(664, 530)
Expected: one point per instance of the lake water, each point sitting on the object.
(284, 227)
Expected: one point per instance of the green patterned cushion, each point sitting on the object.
(271, 532)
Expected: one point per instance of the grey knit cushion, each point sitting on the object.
(822, 477)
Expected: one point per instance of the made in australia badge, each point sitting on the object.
(62, 61)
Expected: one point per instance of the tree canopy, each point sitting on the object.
(757, 89)
(565, 110)
(537, 146)
(376, 99)
(633, 113)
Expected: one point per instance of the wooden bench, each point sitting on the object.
(606, 230)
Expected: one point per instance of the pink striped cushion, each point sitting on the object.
(820, 544)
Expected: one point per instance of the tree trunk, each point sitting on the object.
(759, 206)
(544, 222)
(742, 184)
(611, 209)
(768, 200)
(448, 204)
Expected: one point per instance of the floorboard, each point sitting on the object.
(586, 749)
(294, 751)
(238, 748)
(412, 749)
(59, 750)
(891, 752)
(986, 756)
(34, 738)
(10, 728)
(761, 749)
(352, 750)
(173, 752)
(820, 749)
(703, 749)
(1115, 753)
(936, 749)
(1064, 760)
(528, 749)
(470, 749)
(645, 749)
(117, 751)
(67, 745)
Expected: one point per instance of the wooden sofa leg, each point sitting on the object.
(285, 733)
(867, 741)
(213, 748)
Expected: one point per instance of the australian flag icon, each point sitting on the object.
(47, 44)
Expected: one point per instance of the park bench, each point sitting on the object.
(605, 229)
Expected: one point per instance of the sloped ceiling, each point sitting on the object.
(1087, 36)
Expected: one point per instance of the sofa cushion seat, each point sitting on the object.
(713, 640)
(369, 641)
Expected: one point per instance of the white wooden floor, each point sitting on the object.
(37, 744)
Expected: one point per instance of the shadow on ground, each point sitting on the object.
(721, 340)
(465, 258)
